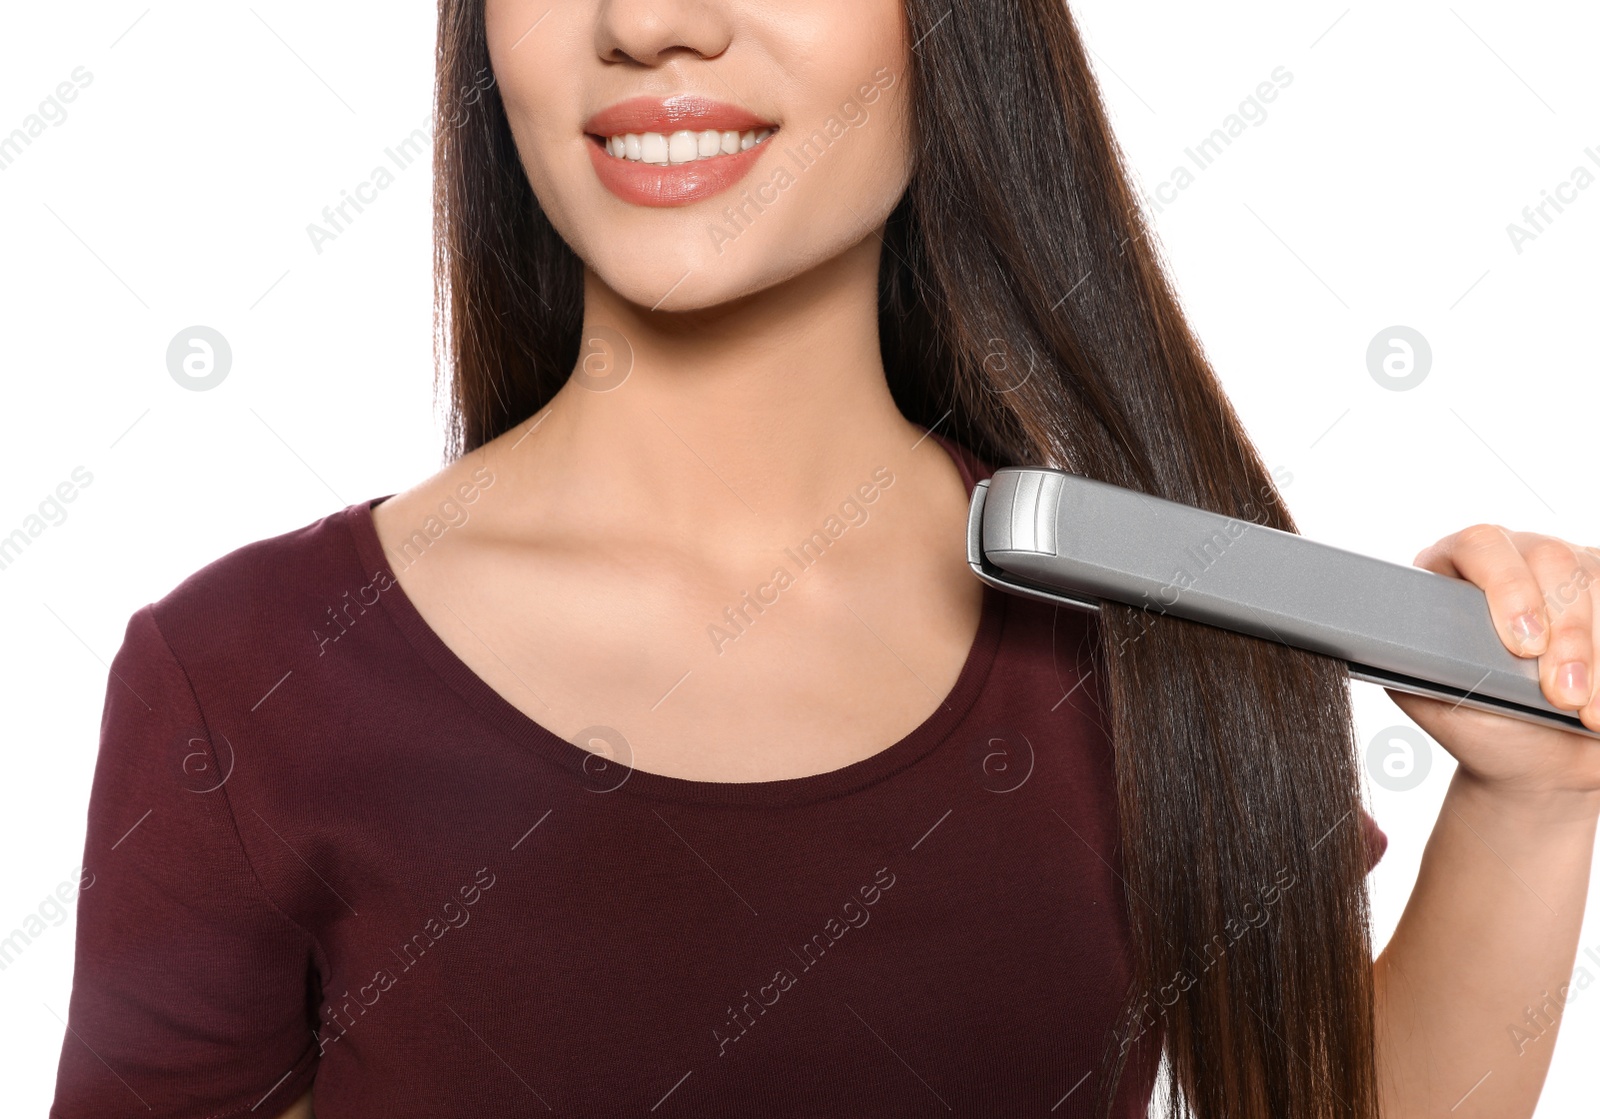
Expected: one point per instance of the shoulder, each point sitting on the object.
(259, 602)
(1048, 635)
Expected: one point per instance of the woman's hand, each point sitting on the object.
(1493, 921)
(1544, 597)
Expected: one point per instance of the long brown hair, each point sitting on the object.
(1024, 310)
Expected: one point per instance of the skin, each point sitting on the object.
(1492, 924)
(620, 524)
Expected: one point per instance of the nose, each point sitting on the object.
(655, 32)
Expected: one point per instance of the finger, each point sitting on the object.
(1436, 558)
(1582, 580)
(1589, 581)
(1566, 668)
(1590, 714)
(1486, 555)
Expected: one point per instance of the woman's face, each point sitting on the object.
(690, 214)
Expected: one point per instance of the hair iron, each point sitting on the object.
(1075, 541)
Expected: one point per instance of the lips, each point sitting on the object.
(664, 183)
(672, 114)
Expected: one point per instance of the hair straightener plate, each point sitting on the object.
(1076, 541)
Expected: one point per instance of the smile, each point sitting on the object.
(674, 151)
(683, 146)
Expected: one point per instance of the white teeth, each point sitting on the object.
(683, 147)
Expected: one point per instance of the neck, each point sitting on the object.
(736, 423)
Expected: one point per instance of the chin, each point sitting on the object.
(688, 278)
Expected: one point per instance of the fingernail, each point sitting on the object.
(1573, 679)
(1527, 627)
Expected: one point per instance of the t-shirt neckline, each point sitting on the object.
(599, 775)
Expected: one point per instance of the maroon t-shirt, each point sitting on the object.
(352, 860)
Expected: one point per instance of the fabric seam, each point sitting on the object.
(238, 838)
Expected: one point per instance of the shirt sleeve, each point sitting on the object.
(1377, 841)
(191, 991)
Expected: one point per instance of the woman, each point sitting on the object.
(559, 782)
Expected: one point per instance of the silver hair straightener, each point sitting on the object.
(1078, 542)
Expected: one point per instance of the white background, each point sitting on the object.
(1377, 192)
